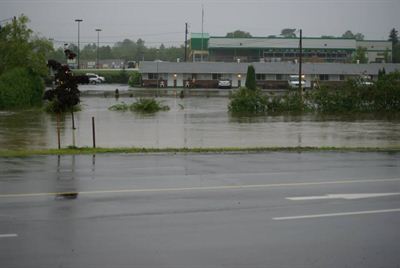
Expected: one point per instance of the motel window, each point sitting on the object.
(216, 76)
(279, 77)
(341, 77)
(323, 77)
(153, 76)
(260, 76)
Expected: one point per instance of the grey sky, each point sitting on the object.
(163, 21)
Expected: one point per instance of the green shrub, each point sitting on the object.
(251, 78)
(143, 105)
(20, 88)
(290, 102)
(245, 101)
(135, 79)
(148, 106)
(119, 107)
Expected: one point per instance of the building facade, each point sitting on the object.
(269, 75)
(276, 49)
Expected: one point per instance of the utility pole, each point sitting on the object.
(186, 34)
(78, 21)
(300, 62)
(98, 43)
(202, 31)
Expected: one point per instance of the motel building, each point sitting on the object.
(213, 58)
(269, 75)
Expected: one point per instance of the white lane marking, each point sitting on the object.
(341, 196)
(336, 214)
(8, 235)
(200, 188)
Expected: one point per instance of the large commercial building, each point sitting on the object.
(275, 49)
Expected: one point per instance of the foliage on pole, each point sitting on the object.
(66, 94)
(251, 78)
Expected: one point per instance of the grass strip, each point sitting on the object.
(138, 150)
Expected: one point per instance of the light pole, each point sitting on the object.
(98, 38)
(78, 21)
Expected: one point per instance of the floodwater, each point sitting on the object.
(190, 122)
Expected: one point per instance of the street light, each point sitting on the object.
(78, 21)
(98, 38)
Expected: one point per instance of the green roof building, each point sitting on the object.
(279, 49)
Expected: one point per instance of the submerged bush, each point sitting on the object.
(119, 107)
(383, 96)
(146, 105)
(141, 105)
(245, 101)
(20, 88)
(290, 102)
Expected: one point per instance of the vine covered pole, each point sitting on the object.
(300, 63)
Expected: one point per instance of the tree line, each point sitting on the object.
(126, 50)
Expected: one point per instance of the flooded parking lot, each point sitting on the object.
(191, 122)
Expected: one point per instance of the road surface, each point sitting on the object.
(201, 210)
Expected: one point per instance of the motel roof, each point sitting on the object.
(265, 68)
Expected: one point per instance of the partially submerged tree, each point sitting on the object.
(22, 64)
(20, 48)
(65, 96)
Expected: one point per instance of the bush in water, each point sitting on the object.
(20, 88)
(148, 106)
(245, 101)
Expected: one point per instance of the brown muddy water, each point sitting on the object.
(192, 122)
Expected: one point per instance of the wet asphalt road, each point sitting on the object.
(209, 210)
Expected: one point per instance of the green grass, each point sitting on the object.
(138, 150)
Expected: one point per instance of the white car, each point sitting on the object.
(95, 79)
(224, 83)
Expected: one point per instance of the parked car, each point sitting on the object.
(224, 83)
(95, 79)
(294, 81)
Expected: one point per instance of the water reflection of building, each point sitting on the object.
(269, 75)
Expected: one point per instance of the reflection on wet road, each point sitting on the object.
(200, 210)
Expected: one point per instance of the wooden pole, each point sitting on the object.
(73, 128)
(300, 62)
(93, 132)
(58, 131)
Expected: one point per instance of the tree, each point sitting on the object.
(394, 36)
(105, 52)
(126, 49)
(19, 47)
(360, 55)
(239, 34)
(349, 34)
(288, 33)
(89, 52)
(251, 78)
(396, 53)
(386, 55)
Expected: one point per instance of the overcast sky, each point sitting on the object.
(163, 21)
